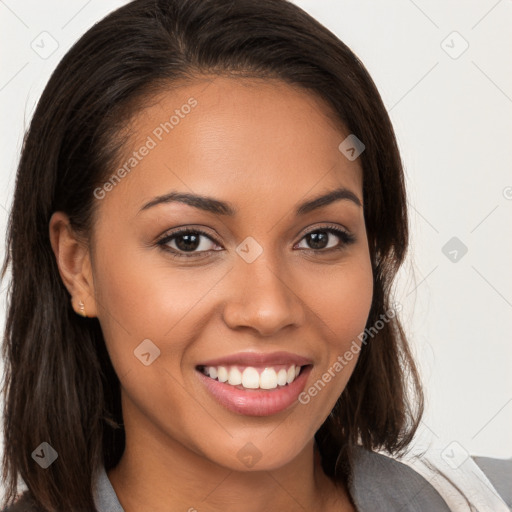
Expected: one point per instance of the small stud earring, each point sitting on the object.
(81, 305)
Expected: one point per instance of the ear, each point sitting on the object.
(74, 262)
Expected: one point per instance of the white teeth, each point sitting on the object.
(222, 374)
(281, 377)
(212, 371)
(251, 378)
(268, 379)
(235, 377)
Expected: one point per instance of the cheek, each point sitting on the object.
(141, 296)
(141, 302)
(342, 299)
(343, 304)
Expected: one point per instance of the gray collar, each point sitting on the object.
(105, 498)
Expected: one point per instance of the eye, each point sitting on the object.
(319, 239)
(188, 240)
(185, 241)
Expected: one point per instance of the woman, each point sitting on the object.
(208, 217)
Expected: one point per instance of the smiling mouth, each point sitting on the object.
(254, 377)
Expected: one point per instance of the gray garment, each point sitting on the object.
(105, 498)
(377, 484)
(499, 472)
(381, 484)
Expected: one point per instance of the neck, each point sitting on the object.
(158, 473)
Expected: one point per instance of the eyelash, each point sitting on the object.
(345, 237)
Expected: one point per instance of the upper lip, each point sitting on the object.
(258, 359)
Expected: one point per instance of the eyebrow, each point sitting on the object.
(217, 207)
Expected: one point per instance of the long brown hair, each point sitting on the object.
(59, 384)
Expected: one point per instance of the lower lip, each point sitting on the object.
(256, 402)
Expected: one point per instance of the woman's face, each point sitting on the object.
(260, 280)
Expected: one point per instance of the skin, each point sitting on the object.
(264, 147)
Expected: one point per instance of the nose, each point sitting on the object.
(263, 298)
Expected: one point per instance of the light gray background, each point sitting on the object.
(452, 112)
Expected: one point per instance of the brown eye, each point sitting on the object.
(320, 239)
(187, 241)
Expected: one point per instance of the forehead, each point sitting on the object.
(236, 138)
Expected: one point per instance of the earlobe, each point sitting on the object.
(73, 261)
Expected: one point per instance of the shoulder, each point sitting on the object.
(381, 483)
(423, 481)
